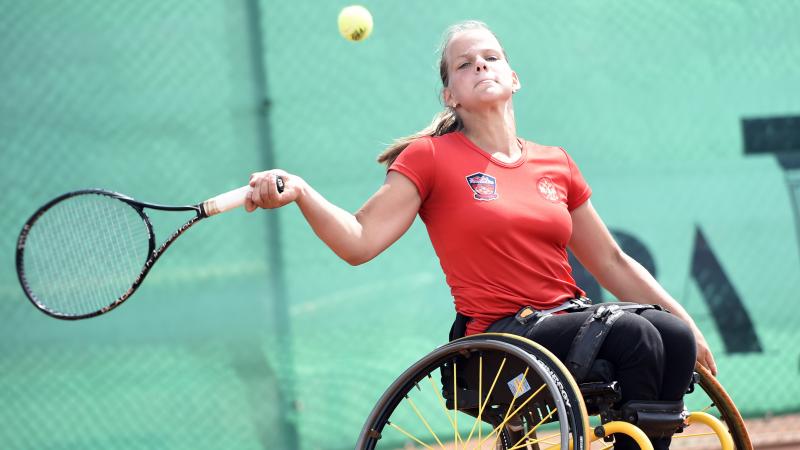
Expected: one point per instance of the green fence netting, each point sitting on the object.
(250, 333)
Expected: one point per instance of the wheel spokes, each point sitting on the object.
(483, 403)
(508, 419)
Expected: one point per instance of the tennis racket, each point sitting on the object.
(85, 252)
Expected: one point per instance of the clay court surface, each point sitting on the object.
(775, 433)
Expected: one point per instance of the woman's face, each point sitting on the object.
(477, 70)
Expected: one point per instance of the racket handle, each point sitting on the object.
(227, 201)
(232, 199)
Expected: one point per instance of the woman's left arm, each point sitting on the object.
(595, 248)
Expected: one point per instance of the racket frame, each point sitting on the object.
(153, 253)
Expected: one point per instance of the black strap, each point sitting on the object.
(528, 313)
(592, 333)
(523, 316)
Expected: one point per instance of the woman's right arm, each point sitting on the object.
(356, 238)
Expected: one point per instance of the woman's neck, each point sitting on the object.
(494, 131)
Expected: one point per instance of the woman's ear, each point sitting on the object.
(447, 97)
(515, 83)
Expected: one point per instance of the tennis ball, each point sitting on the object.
(355, 23)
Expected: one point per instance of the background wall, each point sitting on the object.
(251, 333)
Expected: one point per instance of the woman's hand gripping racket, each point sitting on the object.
(85, 252)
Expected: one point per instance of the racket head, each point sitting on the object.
(84, 253)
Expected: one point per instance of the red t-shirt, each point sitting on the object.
(500, 229)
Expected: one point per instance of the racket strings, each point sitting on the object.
(84, 253)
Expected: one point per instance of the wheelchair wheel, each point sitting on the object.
(709, 397)
(487, 391)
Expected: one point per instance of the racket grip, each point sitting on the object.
(232, 199)
(227, 201)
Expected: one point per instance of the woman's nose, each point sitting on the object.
(480, 65)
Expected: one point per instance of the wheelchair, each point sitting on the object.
(502, 391)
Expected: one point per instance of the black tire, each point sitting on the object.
(546, 391)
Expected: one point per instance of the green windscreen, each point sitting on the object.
(249, 333)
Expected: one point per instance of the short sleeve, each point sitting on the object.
(579, 190)
(416, 163)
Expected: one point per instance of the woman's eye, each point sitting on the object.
(492, 58)
(463, 65)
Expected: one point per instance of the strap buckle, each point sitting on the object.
(526, 314)
(604, 312)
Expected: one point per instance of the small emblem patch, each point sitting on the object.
(548, 189)
(484, 187)
(519, 385)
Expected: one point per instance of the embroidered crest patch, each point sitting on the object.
(484, 187)
(548, 189)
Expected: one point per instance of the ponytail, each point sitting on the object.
(444, 122)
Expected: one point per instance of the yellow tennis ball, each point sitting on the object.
(355, 23)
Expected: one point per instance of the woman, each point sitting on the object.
(501, 212)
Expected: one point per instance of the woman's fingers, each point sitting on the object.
(709, 362)
(265, 190)
(704, 355)
(249, 206)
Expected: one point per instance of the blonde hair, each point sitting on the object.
(447, 120)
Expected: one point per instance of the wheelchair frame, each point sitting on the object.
(538, 390)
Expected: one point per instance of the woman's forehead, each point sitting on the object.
(469, 41)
